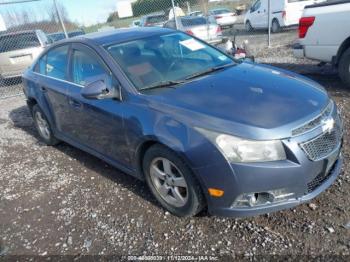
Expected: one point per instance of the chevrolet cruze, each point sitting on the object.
(202, 129)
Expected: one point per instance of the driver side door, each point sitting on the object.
(95, 124)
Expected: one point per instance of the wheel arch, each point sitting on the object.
(343, 47)
(31, 102)
(147, 144)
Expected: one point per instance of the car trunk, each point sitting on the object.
(17, 52)
(204, 32)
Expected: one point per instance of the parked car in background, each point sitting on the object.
(18, 50)
(223, 16)
(196, 13)
(155, 19)
(54, 37)
(284, 13)
(201, 128)
(204, 28)
(135, 23)
(324, 35)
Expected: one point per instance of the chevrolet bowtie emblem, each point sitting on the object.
(328, 125)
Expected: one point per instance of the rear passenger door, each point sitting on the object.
(96, 124)
(51, 81)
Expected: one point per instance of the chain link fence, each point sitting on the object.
(28, 26)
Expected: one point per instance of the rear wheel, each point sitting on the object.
(43, 126)
(275, 27)
(248, 26)
(172, 183)
(344, 67)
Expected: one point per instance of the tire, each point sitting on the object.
(344, 67)
(43, 126)
(248, 26)
(160, 181)
(275, 26)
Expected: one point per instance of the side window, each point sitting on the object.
(87, 69)
(57, 60)
(42, 66)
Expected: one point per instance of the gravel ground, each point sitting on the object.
(62, 201)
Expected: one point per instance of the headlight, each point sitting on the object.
(240, 150)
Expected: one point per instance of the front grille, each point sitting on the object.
(314, 184)
(323, 145)
(314, 122)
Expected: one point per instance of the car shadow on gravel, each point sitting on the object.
(21, 118)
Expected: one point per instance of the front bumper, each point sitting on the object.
(300, 174)
(253, 211)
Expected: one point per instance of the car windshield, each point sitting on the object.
(166, 58)
(18, 41)
(191, 21)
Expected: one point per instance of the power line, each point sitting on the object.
(18, 2)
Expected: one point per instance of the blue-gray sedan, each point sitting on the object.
(202, 129)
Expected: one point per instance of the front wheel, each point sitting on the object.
(344, 67)
(172, 182)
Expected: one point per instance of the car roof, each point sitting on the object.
(121, 35)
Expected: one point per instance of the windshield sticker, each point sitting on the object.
(192, 44)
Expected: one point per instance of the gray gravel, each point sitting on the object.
(62, 201)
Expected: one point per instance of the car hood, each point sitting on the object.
(248, 100)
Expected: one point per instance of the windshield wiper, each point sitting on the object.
(210, 70)
(162, 84)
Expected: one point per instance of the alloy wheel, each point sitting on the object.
(169, 182)
(43, 125)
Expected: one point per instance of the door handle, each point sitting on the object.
(75, 103)
(43, 89)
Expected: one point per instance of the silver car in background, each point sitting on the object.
(18, 50)
(224, 17)
(204, 28)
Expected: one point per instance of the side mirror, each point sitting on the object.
(99, 90)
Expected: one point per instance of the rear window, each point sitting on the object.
(193, 21)
(156, 19)
(221, 11)
(18, 41)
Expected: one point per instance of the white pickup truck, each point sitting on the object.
(324, 35)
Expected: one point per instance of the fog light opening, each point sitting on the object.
(262, 198)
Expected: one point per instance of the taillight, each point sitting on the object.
(189, 32)
(304, 24)
(218, 16)
(147, 24)
(218, 30)
(284, 14)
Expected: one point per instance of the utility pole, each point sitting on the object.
(60, 18)
(269, 22)
(174, 12)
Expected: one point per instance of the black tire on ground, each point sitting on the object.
(344, 67)
(195, 201)
(49, 138)
(275, 26)
(248, 26)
